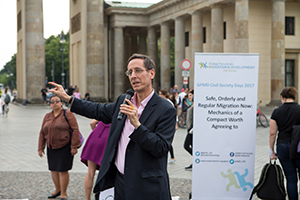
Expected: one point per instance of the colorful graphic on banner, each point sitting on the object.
(225, 99)
(107, 194)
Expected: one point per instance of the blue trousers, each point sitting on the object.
(291, 169)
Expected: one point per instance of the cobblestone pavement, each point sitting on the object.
(23, 175)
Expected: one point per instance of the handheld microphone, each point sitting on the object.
(128, 96)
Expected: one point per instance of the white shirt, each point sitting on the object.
(181, 96)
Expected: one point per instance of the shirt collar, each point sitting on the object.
(145, 101)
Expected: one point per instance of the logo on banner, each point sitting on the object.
(225, 66)
(236, 181)
(107, 194)
(110, 197)
(203, 65)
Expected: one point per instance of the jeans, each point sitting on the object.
(290, 168)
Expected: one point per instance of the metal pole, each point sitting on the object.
(53, 79)
(62, 66)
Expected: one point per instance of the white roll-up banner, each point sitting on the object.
(225, 101)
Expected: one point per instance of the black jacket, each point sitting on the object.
(294, 141)
(145, 173)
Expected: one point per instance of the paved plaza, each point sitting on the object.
(24, 175)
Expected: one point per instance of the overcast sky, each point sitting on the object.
(56, 19)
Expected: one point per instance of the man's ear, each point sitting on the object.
(152, 74)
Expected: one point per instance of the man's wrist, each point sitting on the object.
(137, 126)
(70, 99)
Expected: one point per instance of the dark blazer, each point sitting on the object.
(145, 170)
(294, 141)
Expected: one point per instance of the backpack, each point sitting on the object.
(7, 99)
(271, 183)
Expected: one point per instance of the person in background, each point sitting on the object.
(175, 89)
(87, 96)
(14, 95)
(135, 158)
(1, 104)
(77, 94)
(282, 121)
(6, 101)
(93, 151)
(70, 90)
(181, 95)
(188, 142)
(44, 94)
(189, 101)
(61, 147)
(165, 95)
(174, 98)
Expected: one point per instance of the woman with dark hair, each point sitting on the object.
(61, 147)
(174, 98)
(282, 121)
(188, 142)
(164, 94)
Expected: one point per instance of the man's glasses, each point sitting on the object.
(136, 71)
(52, 102)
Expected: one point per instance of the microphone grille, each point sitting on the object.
(130, 92)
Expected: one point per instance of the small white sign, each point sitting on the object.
(185, 73)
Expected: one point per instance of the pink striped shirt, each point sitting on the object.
(127, 131)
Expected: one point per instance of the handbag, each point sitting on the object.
(71, 132)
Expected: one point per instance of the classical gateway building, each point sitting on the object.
(103, 34)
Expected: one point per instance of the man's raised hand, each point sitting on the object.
(59, 91)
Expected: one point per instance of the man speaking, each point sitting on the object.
(135, 159)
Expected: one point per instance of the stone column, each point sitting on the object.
(127, 54)
(119, 68)
(196, 42)
(277, 50)
(241, 26)
(179, 50)
(153, 54)
(142, 42)
(35, 50)
(127, 45)
(95, 72)
(216, 28)
(165, 74)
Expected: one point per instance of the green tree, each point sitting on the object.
(53, 55)
(8, 73)
(172, 59)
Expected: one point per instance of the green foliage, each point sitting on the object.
(8, 73)
(53, 54)
(172, 58)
